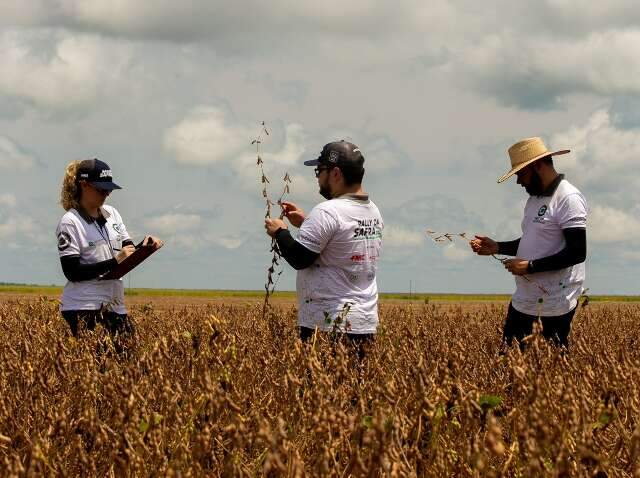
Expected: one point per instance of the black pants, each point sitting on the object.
(115, 324)
(518, 325)
(358, 342)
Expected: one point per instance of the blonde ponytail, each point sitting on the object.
(69, 196)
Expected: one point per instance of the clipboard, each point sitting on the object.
(130, 263)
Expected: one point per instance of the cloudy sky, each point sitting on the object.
(170, 94)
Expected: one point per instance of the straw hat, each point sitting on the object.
(526, 152)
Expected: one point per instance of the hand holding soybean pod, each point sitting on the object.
(270, 284)
(482, 246)
(488, 247)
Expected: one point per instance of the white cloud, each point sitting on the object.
(604, 164)
(538, 71)
(59, 71)
(17, 231)
(303, 186)
(576, 17)
(524, 56)
(191, 232)
(220, 21)
(382, 154)
(31, 12)
(601, 149)
(7, 201)
(385, 154)
(208, 134)
(12, 156)
(456, 252)
(293, 148)
(607, 225)
(398, 236)
(633, 255)
(213, 135)
(174, 223)
(230, 242)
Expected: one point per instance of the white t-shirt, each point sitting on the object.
(340, 290)
(545, 217)
(92, 243)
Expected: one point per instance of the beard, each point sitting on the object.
(325, 191)
(535, 185)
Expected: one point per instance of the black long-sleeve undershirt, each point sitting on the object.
(574, 252)
(509, 248)
(74, 271)
(298, 256)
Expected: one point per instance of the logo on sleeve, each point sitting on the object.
(119, 228)
(64, 241)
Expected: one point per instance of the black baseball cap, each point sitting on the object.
(339, 153)
(97, 173)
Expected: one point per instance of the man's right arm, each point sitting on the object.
(315, 233)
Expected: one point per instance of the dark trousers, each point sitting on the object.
(115, 324)
(555, 329)
(358, 342)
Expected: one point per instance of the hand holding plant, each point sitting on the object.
(484, 246)
(293, 213)
(517, 266)
(271, 225)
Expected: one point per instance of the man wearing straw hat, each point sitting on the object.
(549, 257)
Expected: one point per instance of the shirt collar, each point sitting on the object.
(102, 218)
(553, 186)
(358, 197)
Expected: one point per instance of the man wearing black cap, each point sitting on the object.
(337, 248)
(92, 240)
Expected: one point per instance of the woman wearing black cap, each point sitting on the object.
(92, 240)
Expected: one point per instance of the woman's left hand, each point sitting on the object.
(150, 241)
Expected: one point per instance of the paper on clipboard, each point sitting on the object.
(130, 263)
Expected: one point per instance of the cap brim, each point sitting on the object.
(513, 171)
(312, 162)
(105, 186)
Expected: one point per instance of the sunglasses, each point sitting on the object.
(317, 171)
(102, 192)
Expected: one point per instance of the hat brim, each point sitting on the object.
(513, 171)
(105, 186)
(312, 162)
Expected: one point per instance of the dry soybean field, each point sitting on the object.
(210, 388)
